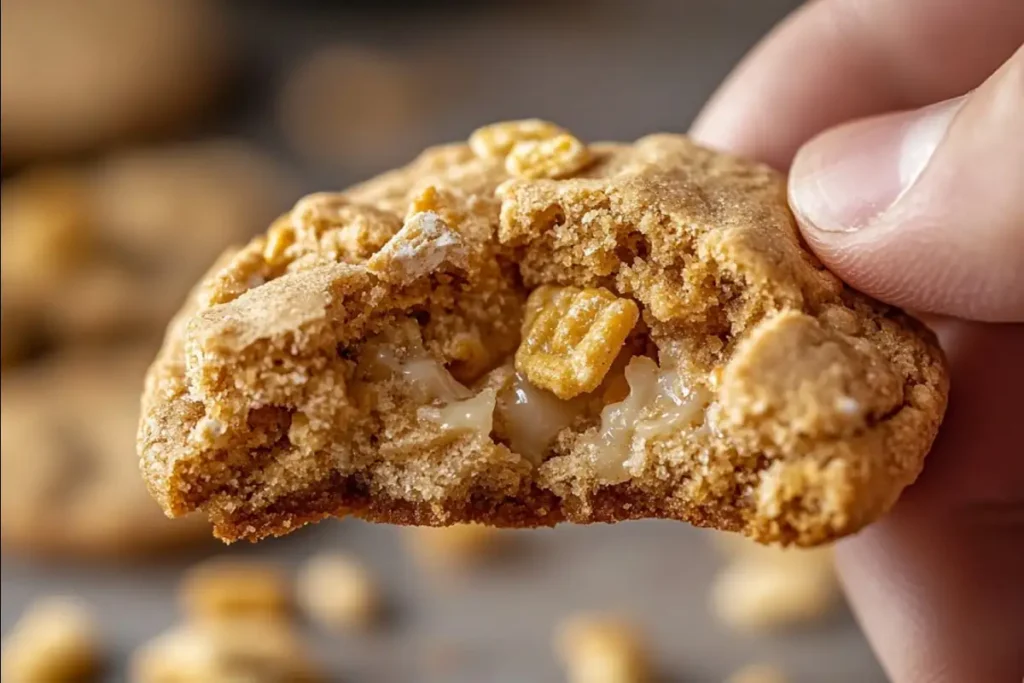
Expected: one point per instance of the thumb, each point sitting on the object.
(925, 209)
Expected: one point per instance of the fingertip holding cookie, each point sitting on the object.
(567, 332)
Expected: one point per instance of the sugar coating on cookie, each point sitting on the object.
(622, 332)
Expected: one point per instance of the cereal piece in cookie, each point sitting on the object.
(254, 651)
(610, 332)
(233, 589)
(767, 588)
(758, 673)
(571, 337)
(496, 140)
(453, 546)
(338, 592)
(53, 642)
(602, 649)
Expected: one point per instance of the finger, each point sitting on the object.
(936, 584)
(836, 60)
(925, 209)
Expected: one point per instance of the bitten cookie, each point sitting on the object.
(525, 330)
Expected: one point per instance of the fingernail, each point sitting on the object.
(847, 177)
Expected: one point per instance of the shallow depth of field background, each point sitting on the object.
(334, 92)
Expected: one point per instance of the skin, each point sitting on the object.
(923, 207)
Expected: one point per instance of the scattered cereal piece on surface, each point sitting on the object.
(602, 649)
(227, 589)
(758, 673)
(336, 591)
(54, 641)
(230, 651)
(768, 588)
(459, 544)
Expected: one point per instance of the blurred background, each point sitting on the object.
(141, 137)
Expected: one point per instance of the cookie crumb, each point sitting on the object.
(230, 589)
(53, 642)
(602, 649)
(338, 592)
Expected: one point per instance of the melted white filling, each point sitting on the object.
(659, 404)
(534, 417)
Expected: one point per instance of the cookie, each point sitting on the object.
(77, 75)
(70, 485)
(526, 330)
(111, 249)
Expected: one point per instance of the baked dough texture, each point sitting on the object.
(526, 330)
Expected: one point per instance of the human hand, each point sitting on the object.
(923, 208)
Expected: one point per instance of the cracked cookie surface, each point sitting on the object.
(621, 332)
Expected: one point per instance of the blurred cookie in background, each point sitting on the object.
(355, 106)
(79, 74)
(112, 249)
(70, 477)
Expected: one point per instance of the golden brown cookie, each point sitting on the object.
(70, 485)
(113, 248)
(76, 75)
(527, 330)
